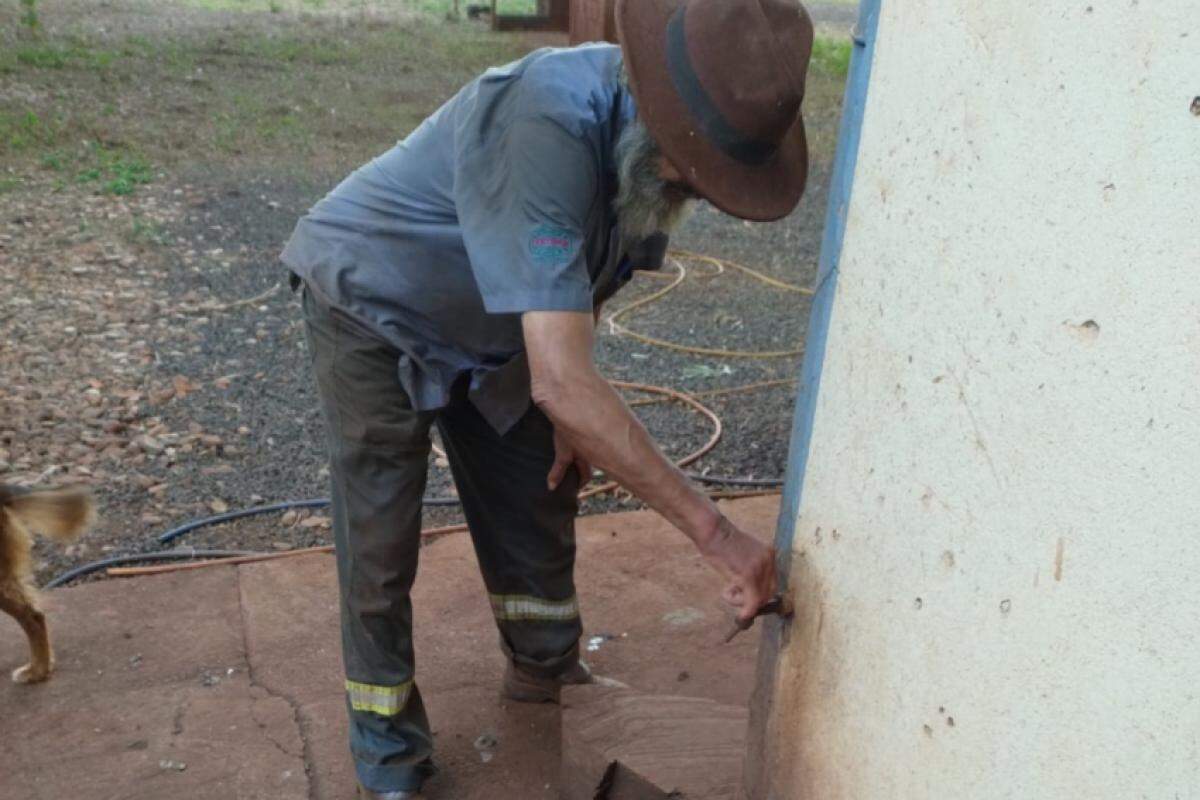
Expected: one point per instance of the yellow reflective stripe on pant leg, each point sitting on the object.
(386, 701)
(524, 607)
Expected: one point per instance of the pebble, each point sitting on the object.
(148, 444)
(682, 617)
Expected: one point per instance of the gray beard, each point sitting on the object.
(643, 209)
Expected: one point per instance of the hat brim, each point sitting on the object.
(762, 193)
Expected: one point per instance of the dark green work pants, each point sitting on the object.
(524, 537)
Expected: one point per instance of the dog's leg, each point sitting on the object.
(20, 602)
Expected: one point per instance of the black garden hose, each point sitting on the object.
(229, 516)
(133, 558)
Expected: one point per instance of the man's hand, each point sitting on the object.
(747, 563)
(566, 456)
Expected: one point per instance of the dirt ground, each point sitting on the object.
(225, 683)
(154, 158)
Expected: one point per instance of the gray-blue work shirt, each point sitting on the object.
(498, 204)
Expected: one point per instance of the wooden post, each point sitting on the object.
(593, 21)
(555, 17)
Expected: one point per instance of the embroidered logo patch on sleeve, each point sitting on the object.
(551, 246)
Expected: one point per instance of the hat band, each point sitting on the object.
(730, 141)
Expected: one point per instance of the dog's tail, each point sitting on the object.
(58, 514)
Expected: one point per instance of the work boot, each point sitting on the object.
(367, 794)
(524, 687)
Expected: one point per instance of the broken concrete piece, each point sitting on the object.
(618, 744)
(621, 783)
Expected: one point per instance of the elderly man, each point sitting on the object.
(454, 280)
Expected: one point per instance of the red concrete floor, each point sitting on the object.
(225, 683)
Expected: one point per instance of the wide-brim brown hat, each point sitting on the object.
(718, 84)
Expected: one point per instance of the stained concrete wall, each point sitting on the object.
(997, 551)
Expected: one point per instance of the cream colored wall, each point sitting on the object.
(1000, 518)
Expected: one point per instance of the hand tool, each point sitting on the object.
(776, 605)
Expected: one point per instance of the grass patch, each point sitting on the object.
(114, 171)
(23, 131)
(312, 90)
(269, 91)
(250, 122)
(298, 6)
(56, 161)
(831, 56)
(298, 51)
(41, 56)
(438, 8)
(148, 232)
(441, 8)
(29, 16)
(110, 170)
(528, 7)
(72, 54)
(252, 5)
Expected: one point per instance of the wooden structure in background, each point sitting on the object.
(584, 20)
(553, 15)
(593, 21)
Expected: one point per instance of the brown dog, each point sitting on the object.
(60, 514)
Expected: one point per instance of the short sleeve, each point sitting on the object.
(523, 207)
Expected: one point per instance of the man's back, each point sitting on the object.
(498, 203)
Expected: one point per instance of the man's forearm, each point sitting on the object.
(598, 424)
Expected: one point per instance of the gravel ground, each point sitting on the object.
(836, 18)
(215, 407)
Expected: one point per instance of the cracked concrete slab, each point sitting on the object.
(152, 699)
(170, 741)
(145, 681)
